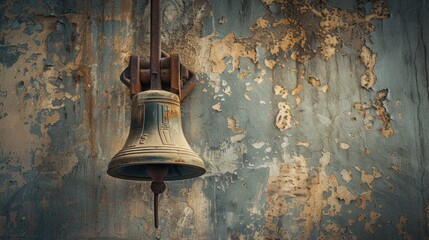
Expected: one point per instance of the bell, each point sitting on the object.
(156, 149)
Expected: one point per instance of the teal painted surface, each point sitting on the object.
(64, 114)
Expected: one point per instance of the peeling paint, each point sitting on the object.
(289, 98)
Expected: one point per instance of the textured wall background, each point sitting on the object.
(312, 119)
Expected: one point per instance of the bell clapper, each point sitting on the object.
(157, 188)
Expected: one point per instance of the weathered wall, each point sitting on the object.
(311, 118)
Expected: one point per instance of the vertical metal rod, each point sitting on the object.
(155, 210)
(155, 45)
(158, 187)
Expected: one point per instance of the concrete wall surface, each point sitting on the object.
(311, 117)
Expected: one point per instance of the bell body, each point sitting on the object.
(156, 140)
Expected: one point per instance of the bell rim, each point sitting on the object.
(113, 172)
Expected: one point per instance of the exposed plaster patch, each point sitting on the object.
(217, 107)
(314, 82)
(344, 145)
(292, 188)
(284, 117)
(221, 49)
(368, 58)
(258, 145)
(346, 175)
(400, 227)
(304, 144)
(270, 63)
(335, 232)
(260, 23)
(369, 178)
(373, 216)
(279, 90)
(379, 105)
(329, 46)
(223, 158)
(291, 181)
(297, 89)
(298, 101)
(247, 97)
(258, 80)
(238, 137)
(227, 90)
(363, 198)
(324, 88)
(381, 111)
(364, 110)
(232, 124)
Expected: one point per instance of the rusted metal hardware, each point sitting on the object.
(162, 72)
(175, 77)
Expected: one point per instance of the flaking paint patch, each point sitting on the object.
(381, 111)
(344, 145)
(369, 178)
(369, 225)
(314, 81)
(329, 46)
(284, 116)
(400, 227)
(368, 59)
(290, 181)
(346, 175)
(365, 110)
(232, 124)
(304, 144)
(279, 90)
(41, 93)
(217, 107)
(293, 188)
(297, 89)
(228, 47)
(223, 158)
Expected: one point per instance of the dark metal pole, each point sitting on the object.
(155, 45)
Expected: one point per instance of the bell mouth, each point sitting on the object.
(176, 171)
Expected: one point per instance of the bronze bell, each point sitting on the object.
(156, 148)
